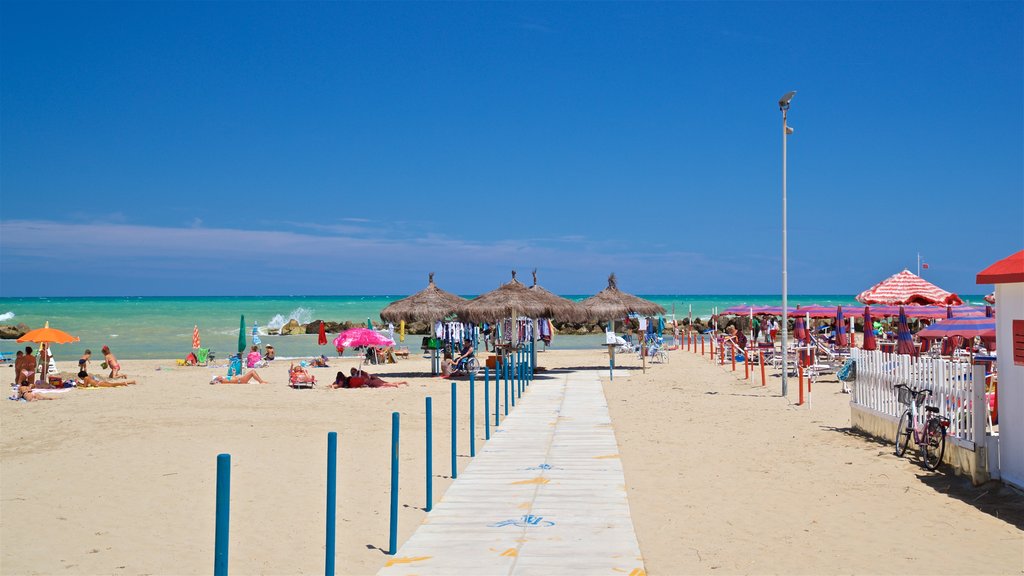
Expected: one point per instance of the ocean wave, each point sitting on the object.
(6, 316)
(300, 315)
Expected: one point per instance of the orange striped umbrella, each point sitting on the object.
(47, 335)
(195, 336)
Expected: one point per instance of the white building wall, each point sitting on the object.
(1010, 307)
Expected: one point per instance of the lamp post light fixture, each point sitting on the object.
(786, 131)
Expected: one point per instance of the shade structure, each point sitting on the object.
(428, 305)
(840, 327)
(321, 338)
(356, 337)
(614, 303)
(241, 334)
(195, 336)
(567, 310)
(799, 329)
(968, 327)
(47, 335)
(508, 300)
(869, 343)
(904, 340)
(1006, 271)
(907, 288)
(745, 309)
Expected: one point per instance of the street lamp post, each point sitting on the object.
(786, 131)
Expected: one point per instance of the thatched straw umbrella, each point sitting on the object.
(428, 305)
(561, 308)
(613, 303)
(507, 301)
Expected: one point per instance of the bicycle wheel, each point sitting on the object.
(934, 444)
(903, 434)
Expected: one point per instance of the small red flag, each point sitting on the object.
(924, 265)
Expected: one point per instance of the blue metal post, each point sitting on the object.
(472, 417)
(220, 542)
(487, 406)
(332, 500)
(393, 546)
(430, 457)
(455, 431)
(512, 377)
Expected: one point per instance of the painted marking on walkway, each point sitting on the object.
(572, 518)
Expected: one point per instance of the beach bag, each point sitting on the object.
(848, 373)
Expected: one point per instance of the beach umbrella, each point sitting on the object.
(428, 305)
(509, 300)
(357, 337)
(799, 329)
(195, 337)
(563, 308)
(321, 339)
(256, 334)
(870, 343)
(46, 336)
(614, 303)
(241, 334)
(966, 327)
(369, 325)
(907, 288)
(840, 327)
(904, 340)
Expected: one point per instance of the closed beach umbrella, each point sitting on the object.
(799, 330)
(195, 337)
(241, 334)
(904, 340)
(322, 338)
(256, 334)
(869, 331)
(840, 327)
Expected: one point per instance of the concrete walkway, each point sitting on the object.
(546, 495)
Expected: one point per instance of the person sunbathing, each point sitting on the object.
(87, 381)
(298, 374)
(238, 379)
(372, 381)
(25, 393)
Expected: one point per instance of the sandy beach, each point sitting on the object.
(723, 476)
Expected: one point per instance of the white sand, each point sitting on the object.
(121, 481)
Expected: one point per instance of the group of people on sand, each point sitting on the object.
(25, 366)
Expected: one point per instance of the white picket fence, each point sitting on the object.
(950, 382)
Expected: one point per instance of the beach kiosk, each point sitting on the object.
(1008, 277)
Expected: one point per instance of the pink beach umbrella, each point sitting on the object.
(356, 337)
(840, 327)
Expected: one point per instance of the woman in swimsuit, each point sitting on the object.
(373, 381)
(244, 379)
(87, 381)
(25, 393)
(115, 368)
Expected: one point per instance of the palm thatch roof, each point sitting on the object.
(504, 301)
(614, 303)
(428, 305)
(561, 308)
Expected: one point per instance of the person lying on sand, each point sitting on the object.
(87, 381)
(297, 374)
(25, 393)
(240, 379)
(372, 381)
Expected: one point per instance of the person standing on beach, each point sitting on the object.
(17, 367)
(27, 373)
(757, 328)
(112, 364)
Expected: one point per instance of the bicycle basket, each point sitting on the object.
(907, 396)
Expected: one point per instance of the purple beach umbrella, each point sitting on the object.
(869, 331)
(840, 327)
(904, 340)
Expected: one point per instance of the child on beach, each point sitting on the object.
(87, 381)
(111, 361)
(17, 366)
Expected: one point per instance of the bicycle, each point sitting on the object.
(931, 438)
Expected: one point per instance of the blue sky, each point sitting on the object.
(344, 148)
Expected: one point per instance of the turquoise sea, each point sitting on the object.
(161, 327)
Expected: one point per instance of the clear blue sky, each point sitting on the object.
(344, 148)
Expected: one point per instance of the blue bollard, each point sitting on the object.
(455, 431)
(332, 500)
(487, 406)
(430, 457)
(504, 373)
(472, 417)
(512, 378)
(393, 546)
(220, 542)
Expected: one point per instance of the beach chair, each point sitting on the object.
(203, 356)
(7, 358)
(299, 378)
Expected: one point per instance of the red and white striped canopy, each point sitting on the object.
(907, 288)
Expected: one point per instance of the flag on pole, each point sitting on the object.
(195, 336)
